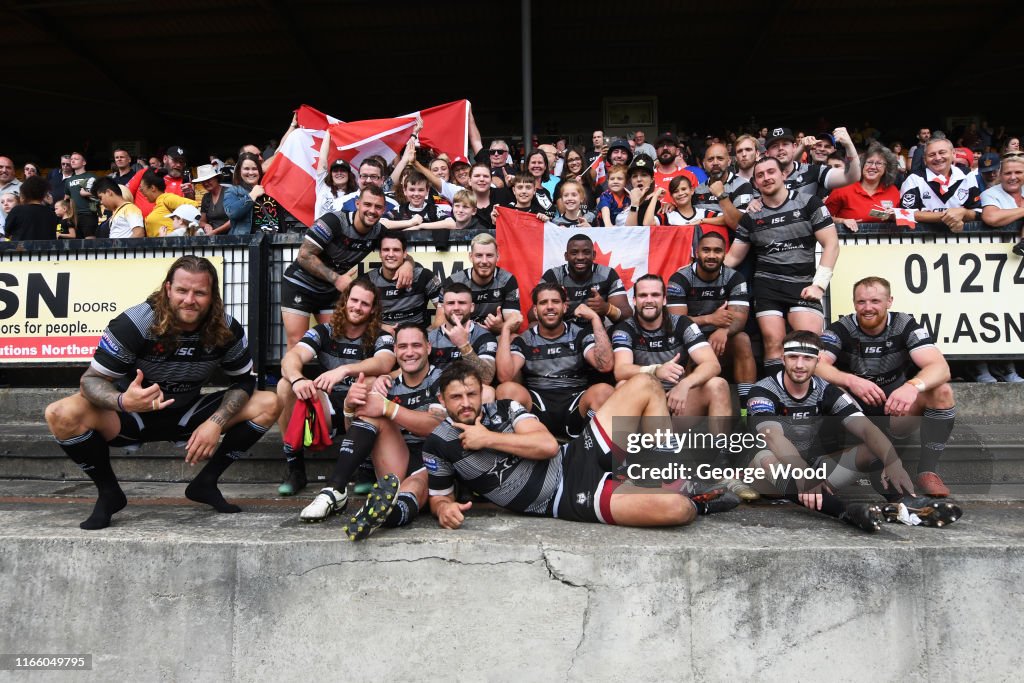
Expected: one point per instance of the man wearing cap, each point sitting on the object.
(823, 147)
(174, 167)
(941, 193)
(988, 172)
(807, 178)
(125, 218)
(669, 166)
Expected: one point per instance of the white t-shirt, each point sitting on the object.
(125, 219)
(998, 197)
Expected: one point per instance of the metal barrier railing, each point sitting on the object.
(254, 264)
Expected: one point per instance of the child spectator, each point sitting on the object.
(66, 225)
(614, 201)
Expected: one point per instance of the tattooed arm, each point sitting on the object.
(309, 260)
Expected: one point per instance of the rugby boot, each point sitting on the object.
(930, 484)
(864, 516)
(375, 510)
(923, 511)
(745, 492)
(294, 482)
(328, 502)
(710, 498)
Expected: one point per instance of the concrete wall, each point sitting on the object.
(511, 599)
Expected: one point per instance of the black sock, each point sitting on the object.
(356, 446)
(405, 509)
(772, 366)
(91, 453)
(743, 389)
(936, 426)
(296, 459)
(831, 504)
(236, 442)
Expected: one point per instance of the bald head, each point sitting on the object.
(716, 160)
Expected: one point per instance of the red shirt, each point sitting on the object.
(853, 201)
(173, 186)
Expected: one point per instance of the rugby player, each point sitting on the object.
(144, 383)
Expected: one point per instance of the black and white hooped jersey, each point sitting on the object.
(686, 288)
(738, 188)
(652, 347)
(419, 397)
(884, 358)
(408, 304)
(443, 352)
(807, 178)
(555, 364)
(782, 238)
(500, 294)
(514, 483)
(181, 366)
(605, 279)
(341, 248)
(926, 191)
(770, 406)
(333, 353)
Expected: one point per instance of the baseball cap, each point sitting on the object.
(989, 163)
(642, 162)
(962, 155)
(175, 152)
(187, 213)
(668, 137)
(341, 163)
(827, 137)
(460, 160)
(776, 134)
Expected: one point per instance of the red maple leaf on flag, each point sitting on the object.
(625, 274)
(315, 146)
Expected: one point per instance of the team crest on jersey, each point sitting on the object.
(908, 201)
(583, 499)
(961, 194)
(298, 299)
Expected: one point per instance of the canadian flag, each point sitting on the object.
(291, 178)
(445, 128)
(599, 170)
(357, 140)
(528, 246)
(308, 117)
(905, 218)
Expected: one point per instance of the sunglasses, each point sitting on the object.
(496, 152)
(1010, 155)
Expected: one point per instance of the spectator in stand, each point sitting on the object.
(574, 169)
(808, 178)
(745, 150)
(643, 196)
(251, 209)
(29, 169)
(214, 219)
(537, 168)
(501, 168)
(642, 146)
(916, 153)
(153, 189)
(988, 172)
(57, 176)
(901, 158)
(78, 188)
(669, 165)
(599, 148)
(8, 181)
(67, 223)
(824, 146)
(125, 218)
(941, 193)
(32, 219)
(175, 165)
(123, 170)
(871, 200)
(333, 184)
(1012, 145)
(460, 171)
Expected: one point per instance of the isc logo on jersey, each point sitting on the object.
(760, 405)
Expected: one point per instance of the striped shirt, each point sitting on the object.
(410, 303)
(555, 364)
(334, 353)
(500, 294)
(687, 288)
(341, 248)
(883, 359)
(783, 238)
(517, 484)
(419, 397)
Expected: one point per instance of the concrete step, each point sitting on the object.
(760, 593)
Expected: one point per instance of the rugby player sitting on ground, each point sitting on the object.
(144, 382)
(870, 352)
(789, 409)
(503, 453)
